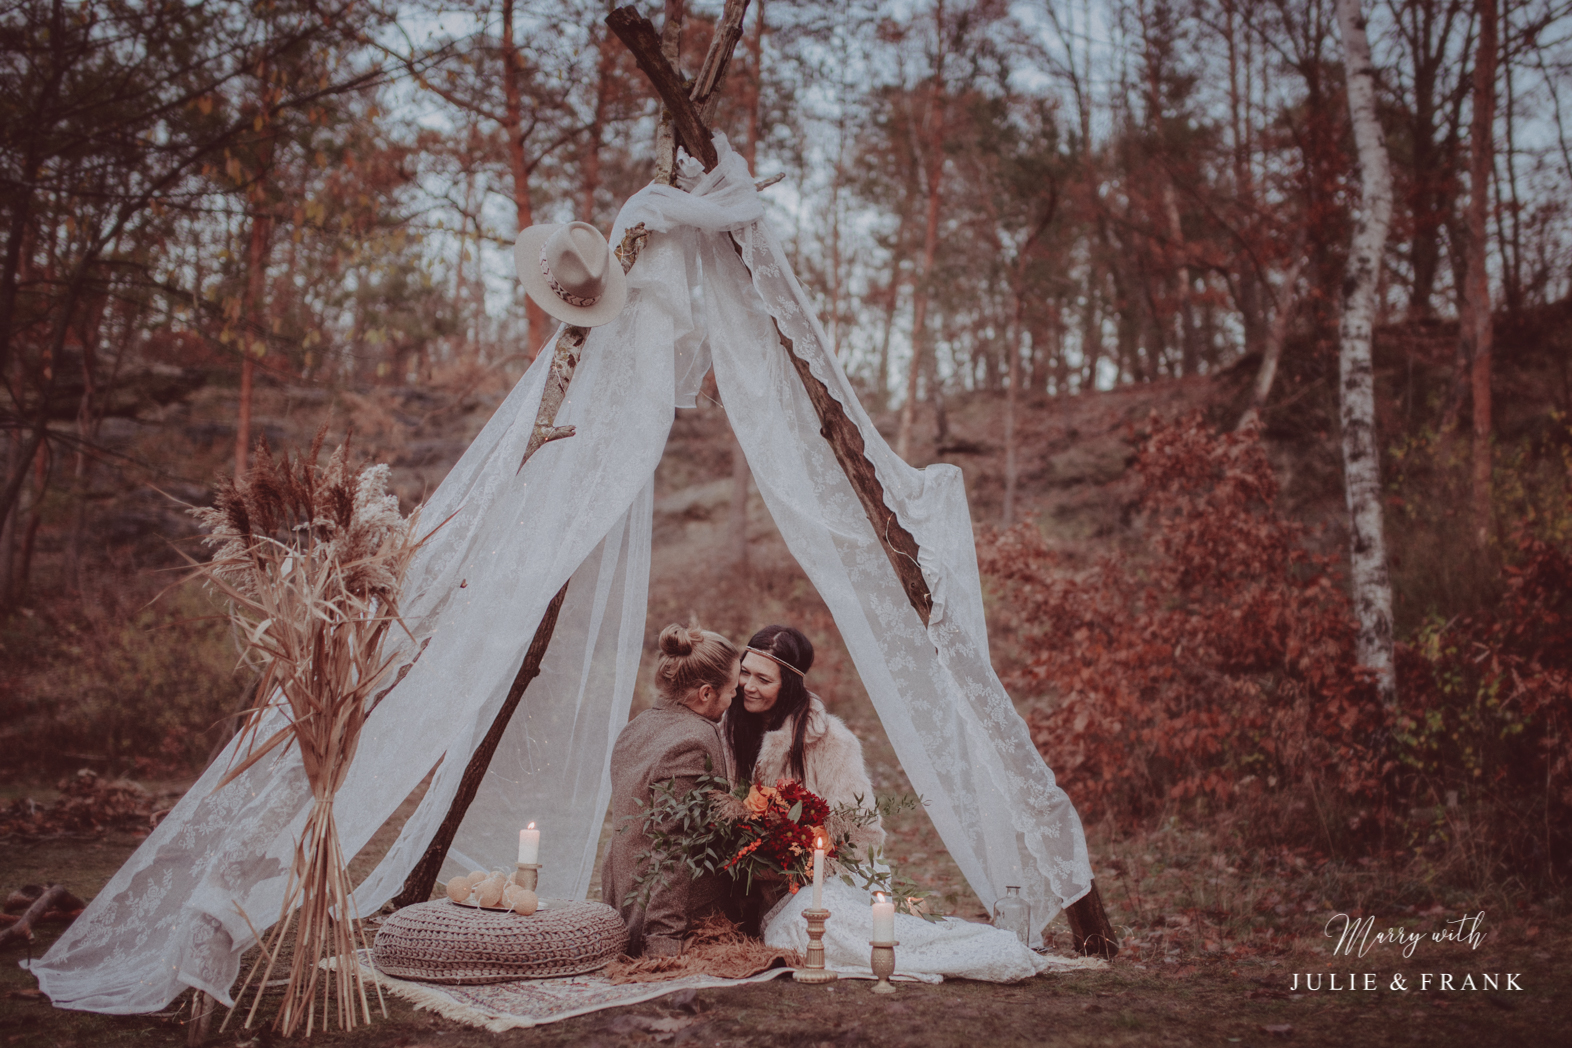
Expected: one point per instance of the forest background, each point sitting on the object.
(1094, 251)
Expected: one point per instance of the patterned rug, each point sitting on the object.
(533, 1002)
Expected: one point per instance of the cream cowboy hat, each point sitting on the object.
(570, 272)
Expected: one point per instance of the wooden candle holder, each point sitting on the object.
(882, 961)
(813, 970)
(527, 876)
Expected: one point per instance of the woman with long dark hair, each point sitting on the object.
(777, 728)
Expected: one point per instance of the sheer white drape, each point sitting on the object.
(176, 913)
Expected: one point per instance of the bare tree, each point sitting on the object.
(1476, 332)
(1356, 372)
(933, 170)
(737, 523)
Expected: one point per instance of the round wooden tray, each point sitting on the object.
(540, 905)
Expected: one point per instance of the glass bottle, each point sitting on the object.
(1014, 914)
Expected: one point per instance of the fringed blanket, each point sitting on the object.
(534, 1002)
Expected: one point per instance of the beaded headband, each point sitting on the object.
(779, 661)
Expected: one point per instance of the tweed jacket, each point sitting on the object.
(668, 741)
(833, 765)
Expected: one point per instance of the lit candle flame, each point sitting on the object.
(531, 826)
(879, 896)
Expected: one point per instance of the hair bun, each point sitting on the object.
(676, 640)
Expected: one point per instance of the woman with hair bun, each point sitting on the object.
(677, 738)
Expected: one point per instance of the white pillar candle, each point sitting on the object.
(883, 918)
(529, 844)
(818, 873)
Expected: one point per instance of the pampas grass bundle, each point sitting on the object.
(312, 561)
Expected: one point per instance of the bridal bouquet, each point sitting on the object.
(750, 832)
(779, 828)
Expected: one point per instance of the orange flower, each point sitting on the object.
(759, 798)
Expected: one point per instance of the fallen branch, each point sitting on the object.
(53, 903)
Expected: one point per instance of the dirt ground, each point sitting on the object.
(1217, 945)
(1193, 974)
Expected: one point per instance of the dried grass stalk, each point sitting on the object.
(312, 561)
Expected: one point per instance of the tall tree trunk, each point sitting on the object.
(1013, 346)
(35, 517)
(755, 86)
(38, 431)
(1013, 377)
(1276, 335)
(930, 242)
(1356, 372)
(1250, 277)
(253, 344)
(38, 131)
(1481, 163)
(606, 46)
(1508, 204)
(13, 448)
(535, 319)
(891, 305)
(1189, 337)
(737, 519)
(253, 327)
(86, 434)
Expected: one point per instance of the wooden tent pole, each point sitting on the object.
(423, 878)
(564, 362)
(1089, 925)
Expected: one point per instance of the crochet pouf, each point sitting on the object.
(443, 943)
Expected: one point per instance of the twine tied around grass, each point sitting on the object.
(312, 561)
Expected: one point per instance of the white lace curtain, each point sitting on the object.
(186, 906)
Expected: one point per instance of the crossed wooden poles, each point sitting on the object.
(688, 108)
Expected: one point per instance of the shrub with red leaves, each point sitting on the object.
(1487, 708)
(1221, 661)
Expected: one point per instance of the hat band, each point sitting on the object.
(561, 292)
(779, 661)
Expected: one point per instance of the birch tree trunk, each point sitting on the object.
(1477, 314)
(1356, 373)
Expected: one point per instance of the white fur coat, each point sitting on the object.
(833, 765)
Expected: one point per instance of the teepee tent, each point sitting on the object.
(547, 567)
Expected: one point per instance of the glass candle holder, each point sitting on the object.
(1013, 913)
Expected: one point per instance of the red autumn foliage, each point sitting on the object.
(1487, 711)
(1220, 661)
